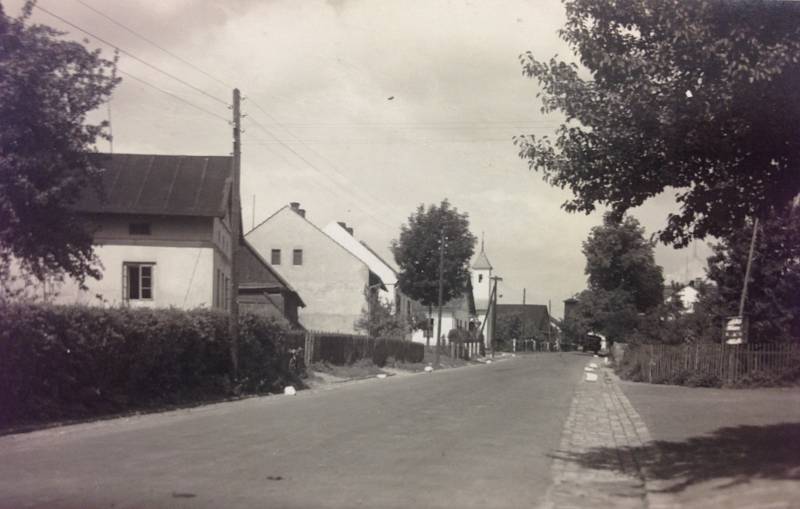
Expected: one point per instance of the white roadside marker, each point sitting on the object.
(591, 377)
(289, 390)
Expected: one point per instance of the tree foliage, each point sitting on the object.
(47, 87)
(700, 97)
(379, 320)
(773, 294)
(417, 253)
(620, 259)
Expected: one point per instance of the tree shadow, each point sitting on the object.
(741, 454)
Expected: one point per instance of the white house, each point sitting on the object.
(331, 279)
(162, 233)
(389, 292)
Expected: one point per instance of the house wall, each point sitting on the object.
(331, 281)
(181, 277)
(188, 253)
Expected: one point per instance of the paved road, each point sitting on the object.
(721, 448)
(471, 437)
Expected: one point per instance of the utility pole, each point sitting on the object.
(236, 231)
(524, 294)
(441, 296)
(747, 269)
(494, 313)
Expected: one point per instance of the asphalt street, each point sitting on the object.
(478, 436)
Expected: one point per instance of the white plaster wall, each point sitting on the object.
(182, 277)
(448, 322)
(330, 281)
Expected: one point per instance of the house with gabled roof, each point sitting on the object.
(332, 280)
(457, 313)
(162, 231)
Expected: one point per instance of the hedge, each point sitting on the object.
(73, 362)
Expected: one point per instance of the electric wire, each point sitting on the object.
(318, 171)
(155, 44)
(131, 55)
(174, 96)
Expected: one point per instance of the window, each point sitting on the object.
(480, 278)
(138, 281)
(275, 258)
(297, 257)
(139, 228)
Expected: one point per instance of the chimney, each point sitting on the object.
(296, 207)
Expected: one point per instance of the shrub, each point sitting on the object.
(67, 362)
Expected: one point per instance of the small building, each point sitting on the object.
(262, 290)
(457, 313)
(687, 295)
(534, 320)
(331, 279)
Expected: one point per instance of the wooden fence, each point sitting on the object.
(341, 349)
(729, 363)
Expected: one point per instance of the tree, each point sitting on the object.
(416, 252)
(618, 258)
(379, 321)
(611, 313)
(624, 282)
(700, 97)
(773, 294)
(47, 87)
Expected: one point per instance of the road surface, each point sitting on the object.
(478, 436)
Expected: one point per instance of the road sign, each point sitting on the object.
(735, 330)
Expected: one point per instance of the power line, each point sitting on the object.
(174, 96)
(153, 43)
(131, 55)
(313, 167)
(333, 167)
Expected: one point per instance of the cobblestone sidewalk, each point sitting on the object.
(600, 432)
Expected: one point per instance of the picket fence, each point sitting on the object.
(729, 363)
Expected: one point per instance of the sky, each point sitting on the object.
(361, 110)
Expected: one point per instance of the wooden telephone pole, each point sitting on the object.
(441, 297)
(236, 232)
(494, 313)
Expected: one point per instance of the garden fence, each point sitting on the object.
(729, 363)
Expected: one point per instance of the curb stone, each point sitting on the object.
(601, 420)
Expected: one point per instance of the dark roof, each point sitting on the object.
(535, 314)
(255, 273)
(160, 184)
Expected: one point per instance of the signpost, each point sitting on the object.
(735, 330)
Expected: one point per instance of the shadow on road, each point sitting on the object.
(740, 453)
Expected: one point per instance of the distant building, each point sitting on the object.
(534, 319)
(457, 313)
(331, 279)
(482, 291)
(688, 295)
